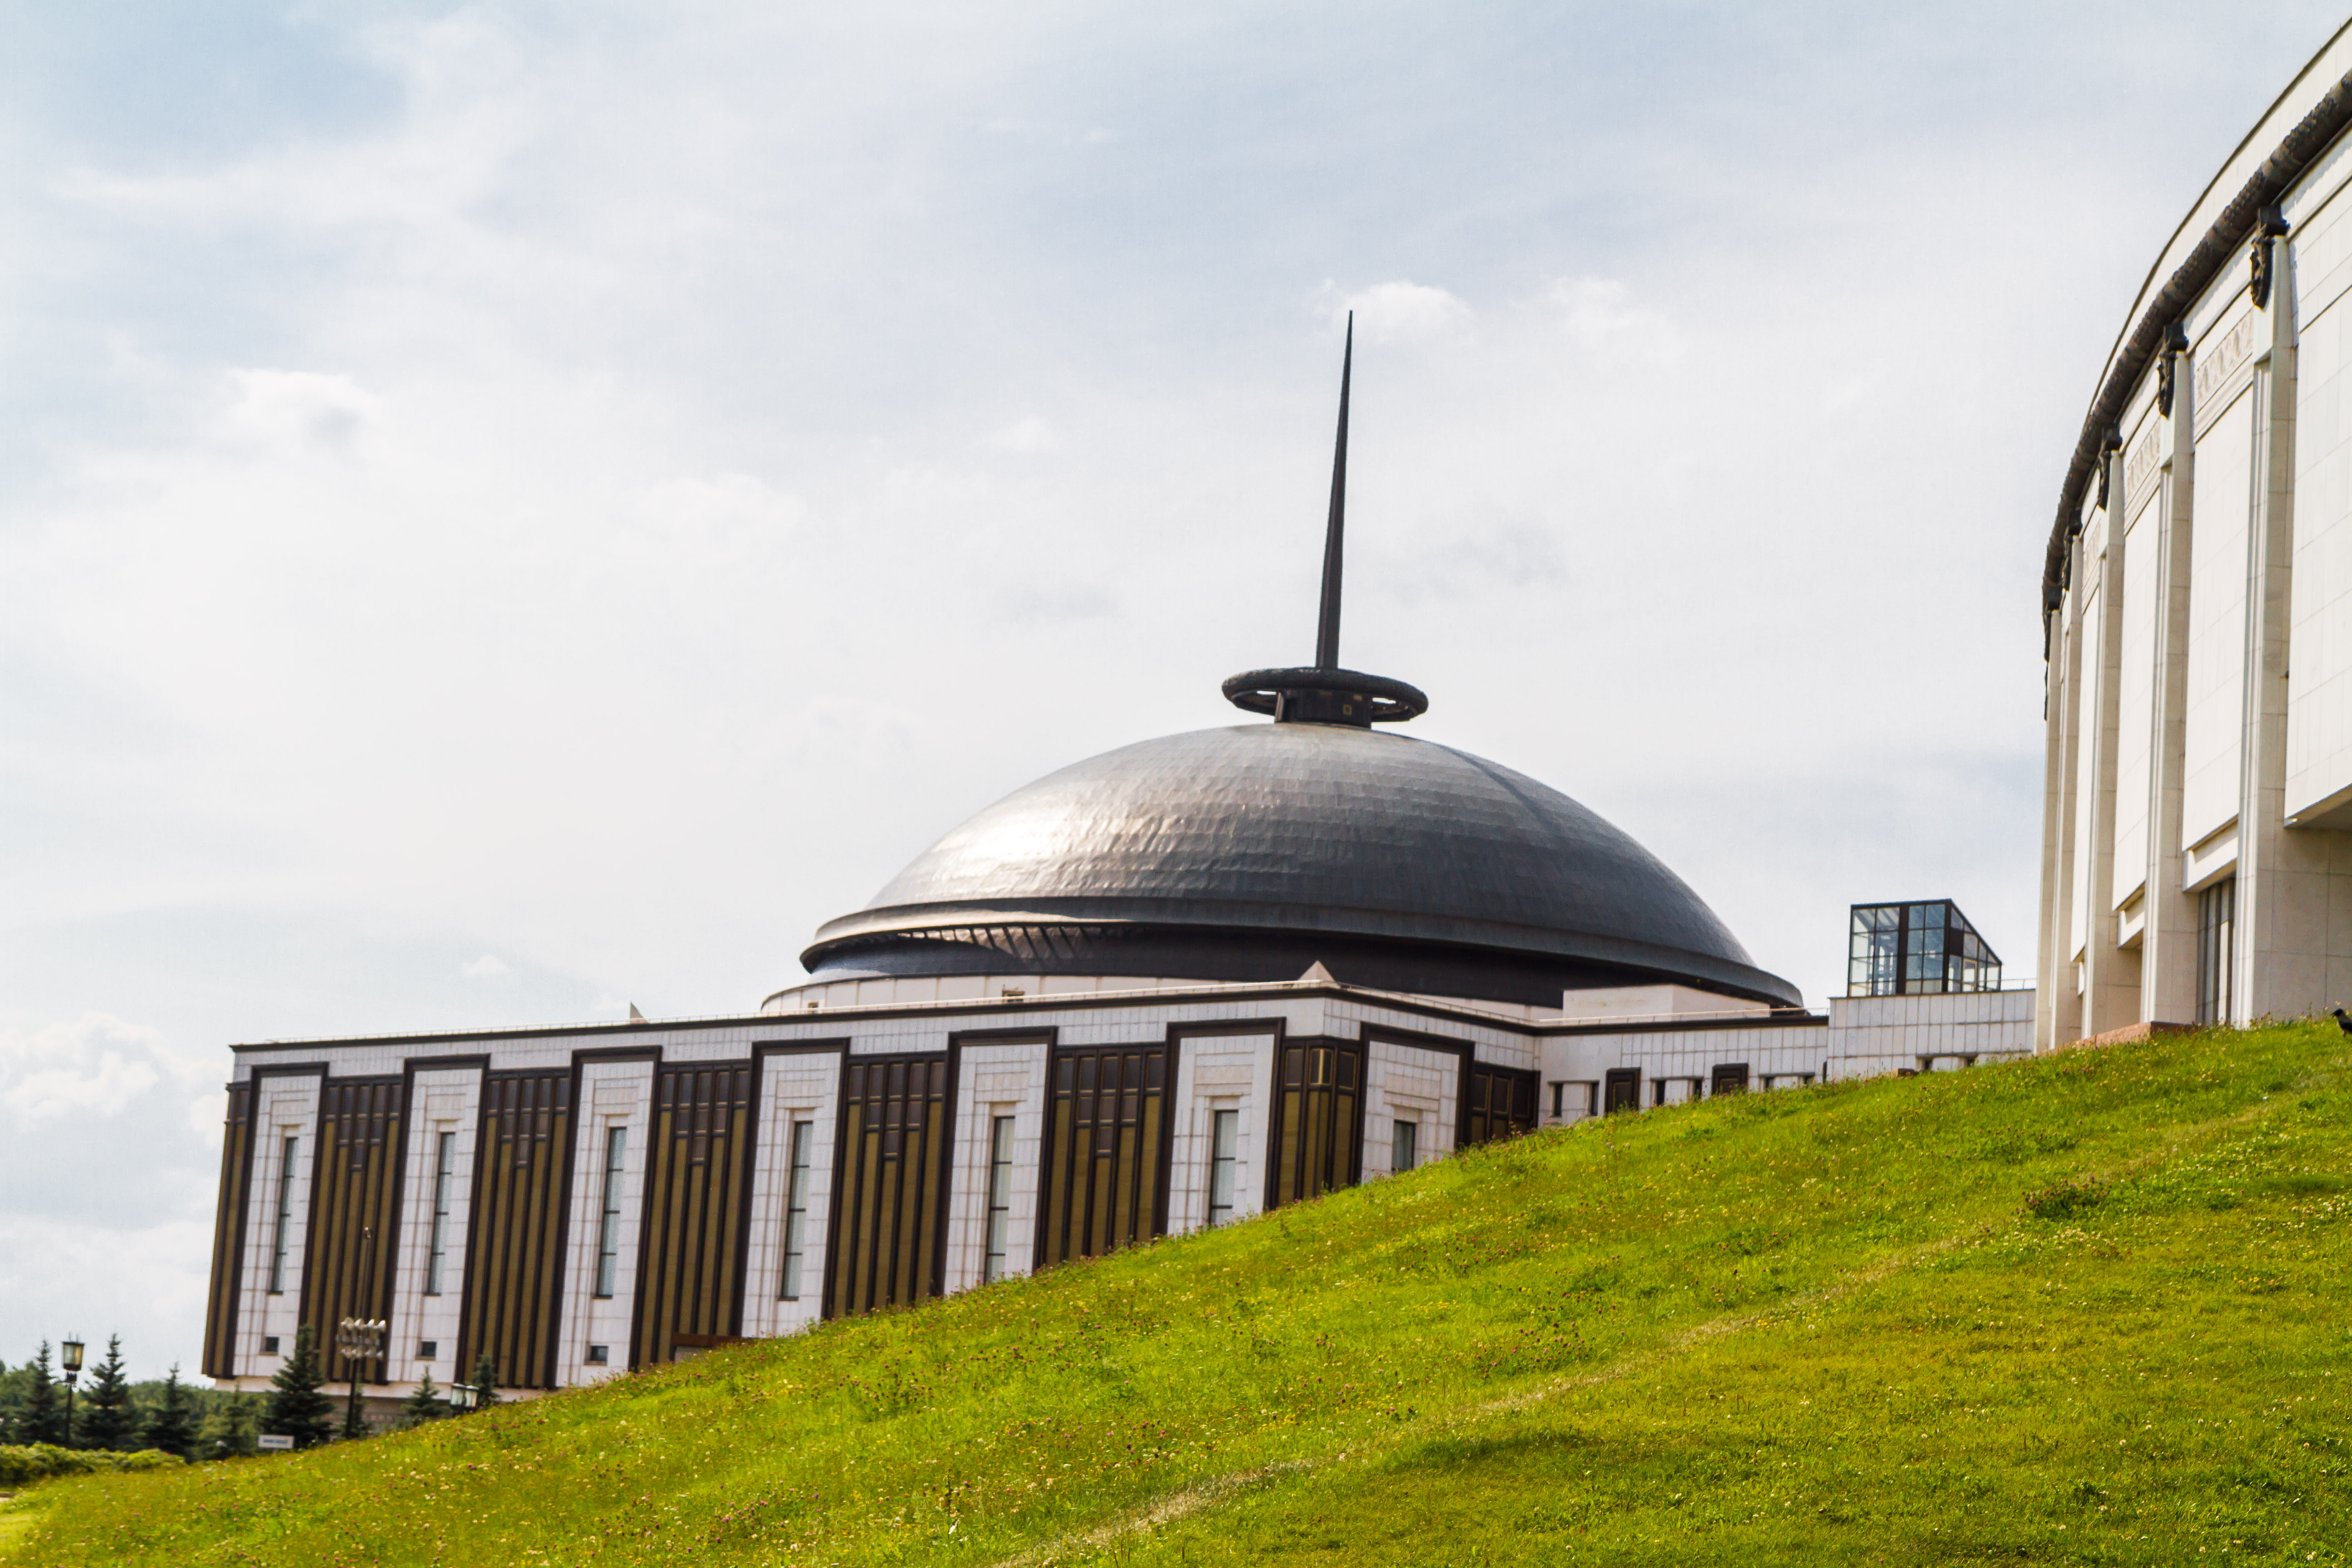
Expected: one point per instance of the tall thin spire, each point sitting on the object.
(1324, 693)
(1327, 625)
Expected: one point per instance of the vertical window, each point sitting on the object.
(2217, 922)
(1224, 1163)
(445, 1172)
(285, 1217)
(1408, 1136)
(796, 1211)
(999, 1197)
(608, 1231)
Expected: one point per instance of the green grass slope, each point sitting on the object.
(2085, 1309)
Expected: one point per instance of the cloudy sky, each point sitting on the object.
(509, 510)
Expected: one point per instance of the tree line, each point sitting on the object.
(110, 1412)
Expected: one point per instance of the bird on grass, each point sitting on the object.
(2343, 1020)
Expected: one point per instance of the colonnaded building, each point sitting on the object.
(1161, 989)
(2197, 607)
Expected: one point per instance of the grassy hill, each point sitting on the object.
(2086, 1309)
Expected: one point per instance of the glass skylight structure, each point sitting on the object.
(1908, 950)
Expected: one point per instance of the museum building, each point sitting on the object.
(1160, 990)
(2197, 613)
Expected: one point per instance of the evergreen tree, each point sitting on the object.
(296, 1406)
(427, 1403)
(44, 1420)
(229, 1427)
(108, 1417)
(172, 1426)
(486, 1380)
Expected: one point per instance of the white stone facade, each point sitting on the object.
(2197, 852)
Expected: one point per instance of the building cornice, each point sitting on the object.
(2212, 253)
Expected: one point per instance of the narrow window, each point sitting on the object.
(428, 1350)
(999, 1197)
(445, 1167)
(608, 1231)
(2216, 950)
(1224, 1163)
(796, 1210)
(1408, 1136)
(600, 1355)
(285, 1217)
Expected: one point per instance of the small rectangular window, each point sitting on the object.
(445, 1169)
(796, 1210)
(608, 1228)
(428, 1350)
(999, 1197)
(282, 1237)
(269, 1344)
(1224, 1163)
(599, 1355)
(1408, 1137)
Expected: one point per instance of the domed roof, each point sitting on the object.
(1249, 852)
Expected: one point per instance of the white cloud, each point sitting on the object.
(94, 1067)
(1401, 312)
(1598, 310)
(1028, 435)
(288, 412)
(487, 967)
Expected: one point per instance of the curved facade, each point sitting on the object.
(1252, 852)
(2197, 605)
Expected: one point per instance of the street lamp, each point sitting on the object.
(360, 1340)
(461, 1396)
(73, 1370)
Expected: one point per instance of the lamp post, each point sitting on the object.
(360, 1340)
(461, 1396)
(73, 1349)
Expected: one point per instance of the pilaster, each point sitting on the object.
(2111, 984)
(2168, 941)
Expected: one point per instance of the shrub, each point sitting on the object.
(2065, 1199)
(22, 1466)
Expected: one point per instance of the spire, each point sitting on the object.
(1327, 694)
(1326, 625)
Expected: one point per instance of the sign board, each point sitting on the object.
(275, 1442)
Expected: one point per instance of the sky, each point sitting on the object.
(510, 510)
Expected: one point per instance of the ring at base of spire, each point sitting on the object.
(1310, 696)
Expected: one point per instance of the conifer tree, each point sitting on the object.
(108, 1419)
(230, 1427)
(45, 1414)
(486, 1380)
(296, 1406)
(427, 1403)
(172, 1426)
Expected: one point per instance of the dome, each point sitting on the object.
(1249, 853)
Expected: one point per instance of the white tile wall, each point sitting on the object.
(2217, 624)
(1218, 1072)
(1408, 1083)
(446, 1099)
(995, 1080)
(612, 1094)
(2135, 689)
(794, 1087)
(284, 1108)
(2319, 683)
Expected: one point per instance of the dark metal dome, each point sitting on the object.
(1249, 853)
